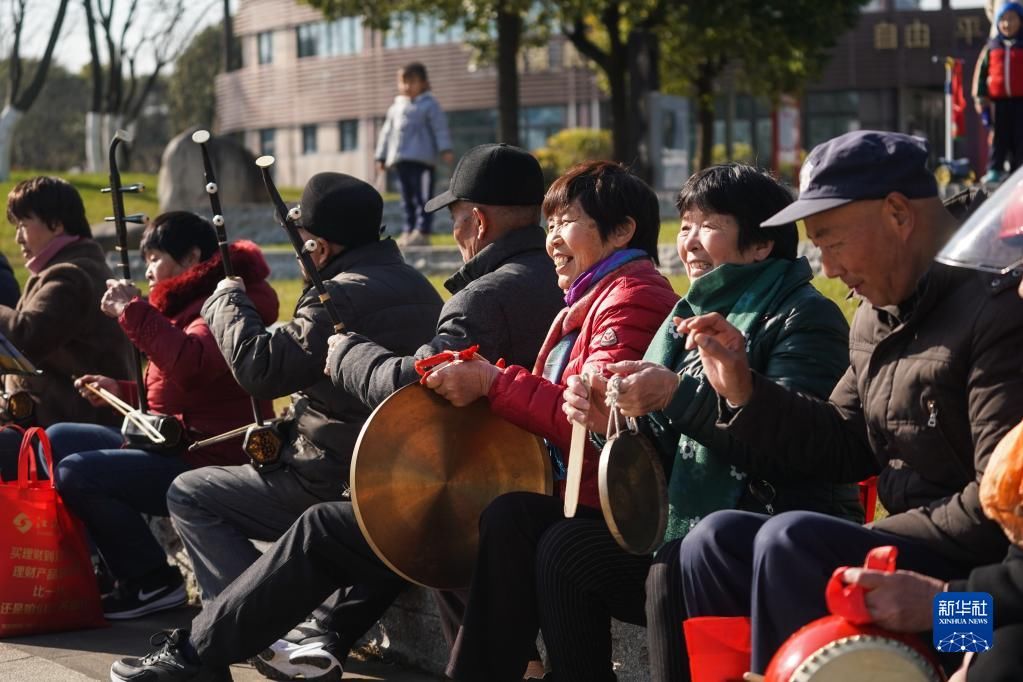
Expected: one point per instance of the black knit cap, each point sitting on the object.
(342, 209)
(495, 175)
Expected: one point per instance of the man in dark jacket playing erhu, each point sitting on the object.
(217, 510)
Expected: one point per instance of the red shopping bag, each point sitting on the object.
(46, 578)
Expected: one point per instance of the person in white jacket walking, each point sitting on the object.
(415, 133)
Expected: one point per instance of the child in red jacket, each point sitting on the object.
(999, 83)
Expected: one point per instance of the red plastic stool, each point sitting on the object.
(719, 648)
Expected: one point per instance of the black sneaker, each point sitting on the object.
(167, 664)
(135, 598)
(307, 652)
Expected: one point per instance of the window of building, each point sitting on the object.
(348, 131)
(329, 38)
(412, 30)
(309, 139)
(536, 124)
(265, 44)
(266, 141)
(829, 114)
(926, 5)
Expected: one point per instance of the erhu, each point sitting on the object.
(289, 221)
(262, 443)
(140, 428)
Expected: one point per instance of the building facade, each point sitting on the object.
(314, 93)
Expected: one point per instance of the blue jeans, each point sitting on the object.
(109, 488)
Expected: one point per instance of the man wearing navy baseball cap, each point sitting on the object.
(933, 385)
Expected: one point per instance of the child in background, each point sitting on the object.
(414, 134)
(999, 83)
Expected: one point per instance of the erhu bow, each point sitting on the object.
(262, 443)
(162, 431)
(289, 221)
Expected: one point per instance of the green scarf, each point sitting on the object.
(700, 482)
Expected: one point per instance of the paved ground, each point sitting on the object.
(87, 654)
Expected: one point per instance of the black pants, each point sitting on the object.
(584, 579)
(1004, 661)
(322, 551)
(502, 617)
(1007, 143)
(775, 569)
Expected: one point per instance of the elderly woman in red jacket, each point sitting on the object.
(602, 226)
(108, 485)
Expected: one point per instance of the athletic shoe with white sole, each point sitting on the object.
(307, 652)
(168, 663)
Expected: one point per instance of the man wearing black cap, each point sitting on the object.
(503, 299)
(934, 383)
(218, 510)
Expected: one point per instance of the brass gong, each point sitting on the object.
(633, 493)
(423, 471)
(633, 490)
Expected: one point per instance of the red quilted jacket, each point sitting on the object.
(187, 376)
(616, 320)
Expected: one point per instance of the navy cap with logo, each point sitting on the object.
(495, 175)
(864, 164)
(342, 209)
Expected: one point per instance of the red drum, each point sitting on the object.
(832, 649)
(844, 647)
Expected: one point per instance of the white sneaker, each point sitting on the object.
(303, 655)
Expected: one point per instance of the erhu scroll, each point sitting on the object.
(289, 221)
(262, 443)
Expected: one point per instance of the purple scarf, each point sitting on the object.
(599, 270)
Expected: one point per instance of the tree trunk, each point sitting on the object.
(228, 56)
(509, 37)
(705, 114)
(95, 153)
(617, 66)
(644, 79)
(9, 118)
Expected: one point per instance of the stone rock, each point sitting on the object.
(181, 184)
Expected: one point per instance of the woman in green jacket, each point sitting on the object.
(795, 336)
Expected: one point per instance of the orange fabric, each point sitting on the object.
(1001, 488)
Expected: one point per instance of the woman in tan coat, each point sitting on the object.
(57, 323)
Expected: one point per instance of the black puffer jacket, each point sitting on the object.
(933, 386)
(504, 300)
(376, 294)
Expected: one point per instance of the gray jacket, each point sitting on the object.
(505, 299)
(376, 294)
(414, 130)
